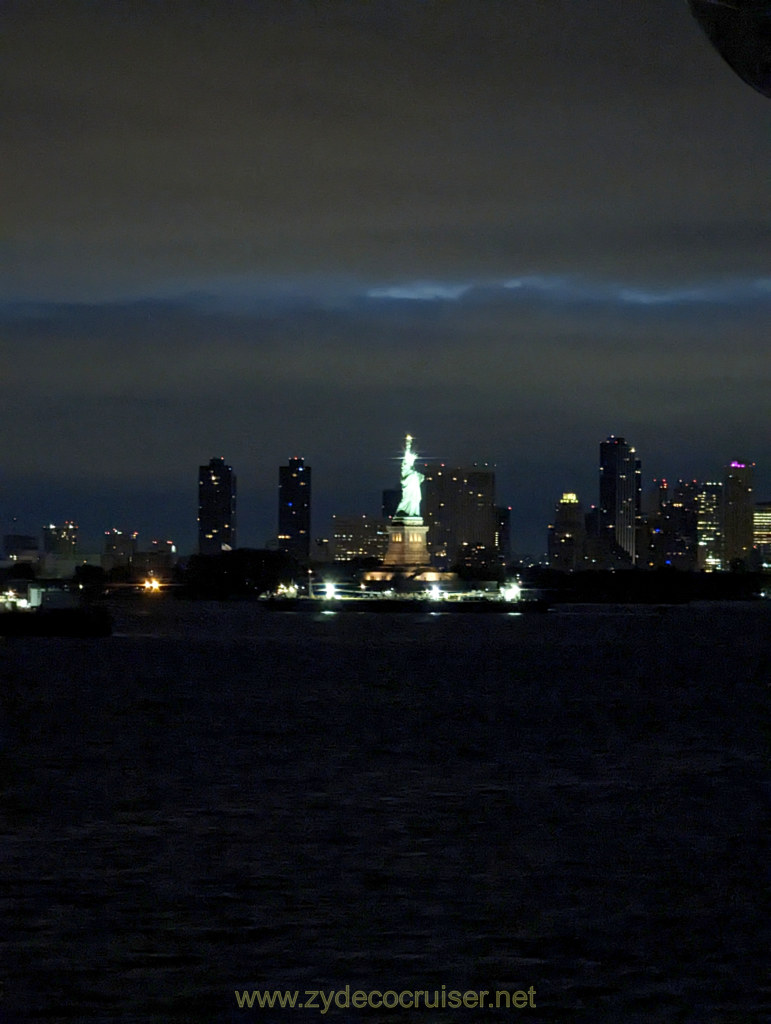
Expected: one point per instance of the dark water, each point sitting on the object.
(217, 798)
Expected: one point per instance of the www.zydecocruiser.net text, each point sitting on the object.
(322, 1000)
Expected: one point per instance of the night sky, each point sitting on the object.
(269, 229)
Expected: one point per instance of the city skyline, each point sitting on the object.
(217, 481)
(270, 228)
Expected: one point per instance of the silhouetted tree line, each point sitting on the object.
(480, 572)
(244, 573)
(659, 586)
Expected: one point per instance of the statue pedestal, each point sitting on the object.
(407, 564)
(407, 544)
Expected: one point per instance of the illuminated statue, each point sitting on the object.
(409, 506)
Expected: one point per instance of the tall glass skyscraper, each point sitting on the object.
(709, 525)
(620, 495)
(294, 508)
(738, 509)
(216, 508)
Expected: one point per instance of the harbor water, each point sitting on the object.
(217, 799)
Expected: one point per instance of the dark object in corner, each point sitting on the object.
(740, 31)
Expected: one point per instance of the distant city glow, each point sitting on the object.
(253, 293)
(420, 292)
(562, 288)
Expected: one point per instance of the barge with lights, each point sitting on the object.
(337, 599)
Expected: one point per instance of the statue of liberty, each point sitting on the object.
(409, 506)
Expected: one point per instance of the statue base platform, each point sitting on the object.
(407, 563)
(407, 544)
(407, 580)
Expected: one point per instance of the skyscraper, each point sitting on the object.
(503, 531)
(761, 534)
(672, 527)
(359, 537)
(459, 508)
(216, 508)
(60, 540)
(709, 526)
(738, 508)
(119, 549)
(19, 547)
(567, 537)
(294, 508)
(620, 496)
